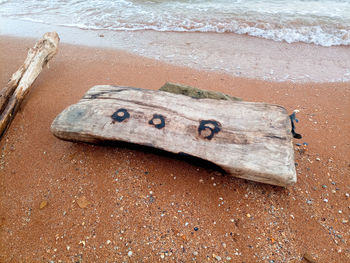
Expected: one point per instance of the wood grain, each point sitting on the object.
(248, 140)
(19, 85)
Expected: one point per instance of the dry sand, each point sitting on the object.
(143, 206)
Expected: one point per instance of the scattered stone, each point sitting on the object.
(324, 186)
(162, 256)
(325, 200)
(345, 221)
(228, 258)
(195, 253)
(43, 204)
(130, 253)
(218, 258)
(83, 202)
(151, 199)
(318, 159)
(347, 194)
(224, 245)
(82, 242)
(196, 229)
(68, 248)
(108, 242)
(309, 258)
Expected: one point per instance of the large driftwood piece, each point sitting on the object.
(248, 140)
(15, 91)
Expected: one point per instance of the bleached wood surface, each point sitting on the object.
(19, 85)
(248, 140)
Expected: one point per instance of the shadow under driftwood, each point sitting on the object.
(168, 157)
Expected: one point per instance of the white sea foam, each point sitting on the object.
(321, 22)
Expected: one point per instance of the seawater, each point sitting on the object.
(320, 22)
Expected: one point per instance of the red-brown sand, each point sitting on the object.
(147, 207)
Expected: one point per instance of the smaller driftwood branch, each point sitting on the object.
(15, 91)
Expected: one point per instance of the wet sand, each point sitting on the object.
(147, 206)
(237, 55)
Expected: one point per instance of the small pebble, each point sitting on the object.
(195, 253)
(345, 221)
(162, 256)
(218, 258)
(309, 202)
(130, 253)
(196, 229)
(324, 186)
(228, 258)
(347, 194)
(108, 242)
(318, 159)
(325, 200)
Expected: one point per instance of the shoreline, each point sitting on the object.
(237, 55)
(159, 206)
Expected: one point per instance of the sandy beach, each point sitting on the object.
(148, 207)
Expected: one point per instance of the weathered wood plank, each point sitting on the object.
(248, 140)
(19, 85)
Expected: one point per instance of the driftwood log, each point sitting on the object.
(15, 91)
(248, 140)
